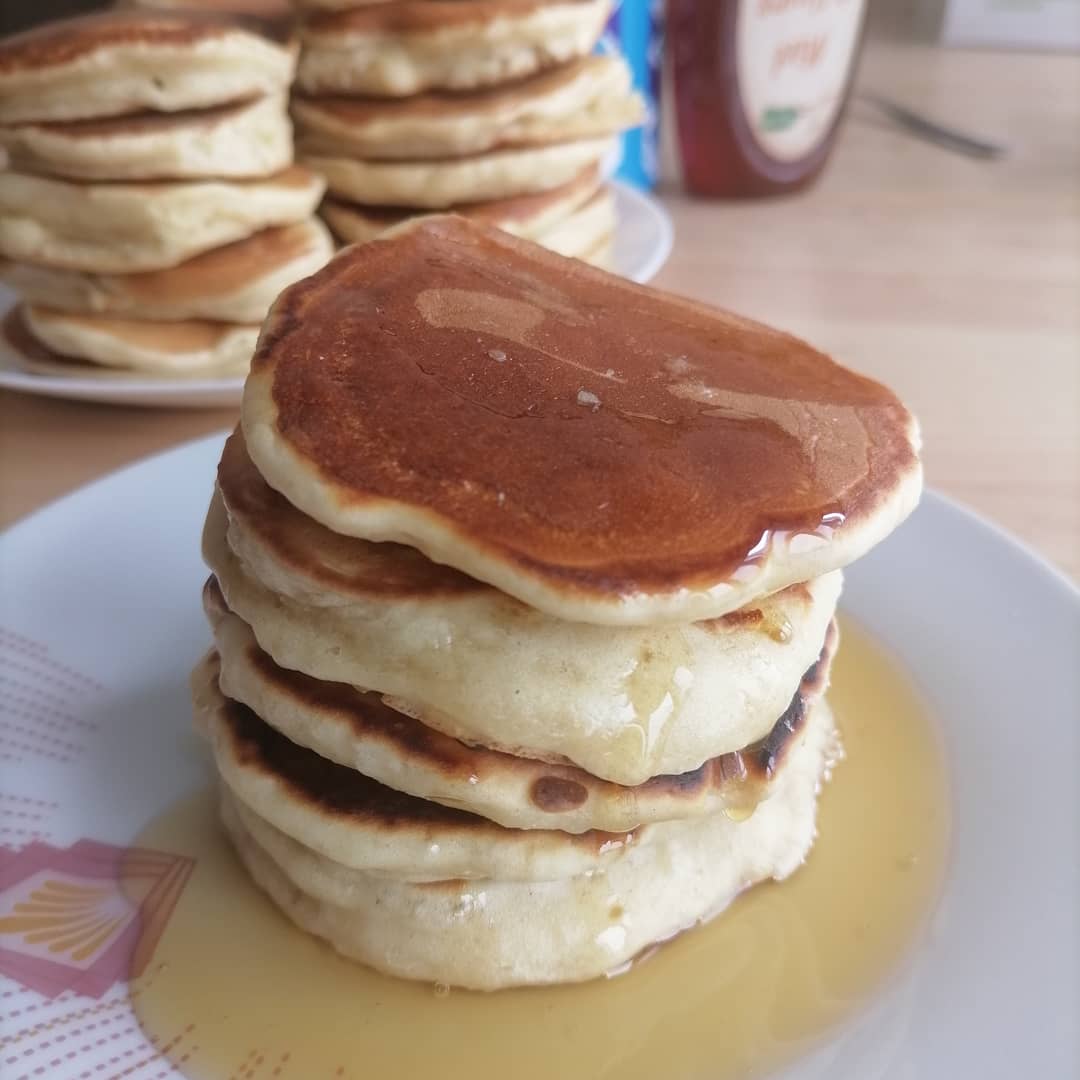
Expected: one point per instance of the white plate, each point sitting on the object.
(101, 619)
(643, 242)
(644, 235)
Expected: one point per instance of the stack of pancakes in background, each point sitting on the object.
(265, 9)
(523, 591)
(150, 211)
(490, 108)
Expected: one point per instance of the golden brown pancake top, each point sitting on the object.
(358, 111)
(517, 208)
(65, 40)
(423, 16)
(349, 566)
(604, 435)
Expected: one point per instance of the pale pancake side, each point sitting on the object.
(602, 451)
(25, 353)
(114, 63)
(263, 9)
(583, 231)
(130, 227)
(433, 185)
(584, 99)
(142, 345)
(360, 731)
(363, 824)
(523, 215)
(399, 49)
(245, 139)
(234, 283)
(623, 704)
(491, 935)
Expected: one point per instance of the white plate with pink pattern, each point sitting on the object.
(100, 623)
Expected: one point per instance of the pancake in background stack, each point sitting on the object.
(156, 61)
(151, 216)
(524, 157)
(264, 9)
(434, 185)
(162, 358)
(234, 283)
(506, 152)
(397, 49)
(240, 139)
(524, 580)
(574, 218)
(587, 98)
(120, 227)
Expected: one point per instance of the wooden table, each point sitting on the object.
(955, 281)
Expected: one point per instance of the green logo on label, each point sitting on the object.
(778, 119)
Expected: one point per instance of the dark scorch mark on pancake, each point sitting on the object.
(344, 793)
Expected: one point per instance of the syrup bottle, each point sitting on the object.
(760, 88)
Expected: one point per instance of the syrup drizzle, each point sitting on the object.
(739, 997)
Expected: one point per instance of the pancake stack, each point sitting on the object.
(490, 108)
(151, 211)
(523, 592)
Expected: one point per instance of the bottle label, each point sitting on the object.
(792, 61)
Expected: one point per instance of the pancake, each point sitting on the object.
(584, 99)
(305, 6)
(20, 351)
(495, 934)
(582, 232)
(360, 731)
(602, 255)
(129, 227)
(138, 345)
(499, 174)
(601, 451)
(234, 283)
(522, 215)
(266, 9)
(244, 139)
(361, 824)
(397, 49)
(119, 62)
(624, 704)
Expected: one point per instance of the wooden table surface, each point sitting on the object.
(955, 281)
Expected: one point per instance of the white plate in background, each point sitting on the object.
(644, 235)
(643, 241)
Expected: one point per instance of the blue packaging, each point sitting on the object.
(635, 31)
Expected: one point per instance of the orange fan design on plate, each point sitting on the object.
(84, 917)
